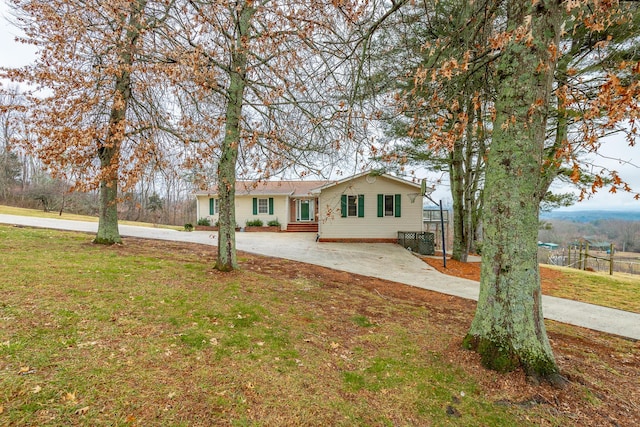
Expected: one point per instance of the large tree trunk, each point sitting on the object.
(474, 177)
(466, 169)
(227, 260)
(465, 172)
(109, 155)
(508, 329)
(459, 251)
(108, 232)
(109, 151)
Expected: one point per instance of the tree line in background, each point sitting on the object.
(196, 91)
(25, 182)
(505, 96)
(625, 235)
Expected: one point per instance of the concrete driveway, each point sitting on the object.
(381, 260)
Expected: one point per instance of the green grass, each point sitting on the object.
(621, 291)
(11, 210)
(143, 335)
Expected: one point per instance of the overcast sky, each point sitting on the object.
(15, 55)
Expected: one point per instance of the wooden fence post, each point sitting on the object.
(611, 260)
(580, 257)
(586, 256)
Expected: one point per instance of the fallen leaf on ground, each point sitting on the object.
(25, 370)
(82, 411)
(69, 397)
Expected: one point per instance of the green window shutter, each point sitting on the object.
(255, 206)
(343, 206)
(211, 206)
(380, 205)
(360, 205)
(398, 207)
(270, 205)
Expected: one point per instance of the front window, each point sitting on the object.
(352, 206)
(389, 205)
(263, 206)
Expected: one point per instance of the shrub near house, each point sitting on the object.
(279, 204)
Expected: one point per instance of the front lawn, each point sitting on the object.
(148, 334)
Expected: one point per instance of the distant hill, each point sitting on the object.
(590, 216)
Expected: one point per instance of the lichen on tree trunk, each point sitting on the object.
(466, 157)
(465, 171)
(108, 151)
(108, 232)
(460, 233)
(227, 259)
(508, 330)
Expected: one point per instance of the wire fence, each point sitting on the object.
(584, 259)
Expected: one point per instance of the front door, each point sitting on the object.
(304, 210)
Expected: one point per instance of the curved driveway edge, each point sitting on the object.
(381, 260)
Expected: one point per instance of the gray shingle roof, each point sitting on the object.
(271, 188)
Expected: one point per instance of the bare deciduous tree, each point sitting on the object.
(251, 74)
(96, 111)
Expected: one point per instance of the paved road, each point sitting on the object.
(385, 261)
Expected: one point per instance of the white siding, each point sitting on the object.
(203, 209)
(333, 226)
(244, 210)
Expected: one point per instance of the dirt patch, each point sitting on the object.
(549, 278)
